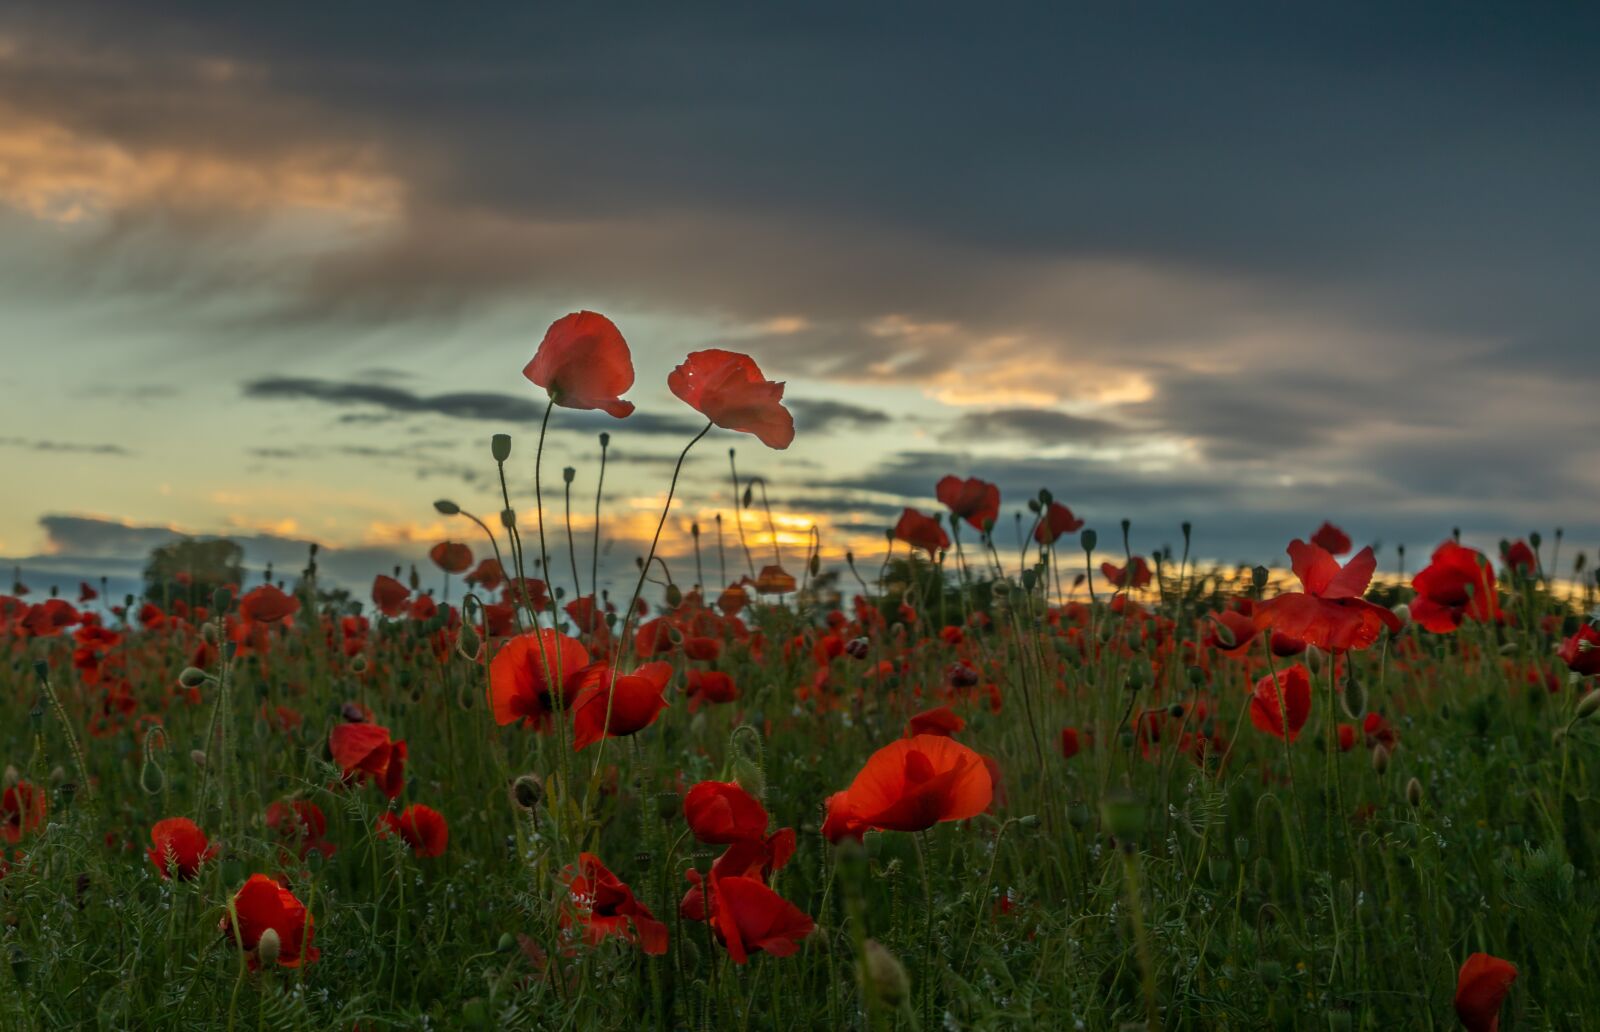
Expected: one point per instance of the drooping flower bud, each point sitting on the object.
(500, 447)
(268, 947)
(885, 973)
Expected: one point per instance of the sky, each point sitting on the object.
(272, 271)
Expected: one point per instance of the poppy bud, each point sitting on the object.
(507, 941)
(526, 793)
(445, 507)
(1414, 792)
(268, 947)
(674, 595)
(475, 1013)
(857, 648)
(500, 447)
(605, 440)
(1078, 816)
(209, 633)
(1088, 539)
(192, 677)
(222, 598)
(1028, 821)
(1258, 577)
(749, 496)
(886, 974)
(1402, 612)
(1033, 505)
(58, 774)
(12, 776)
(198, 756)
(508, 518)
(1380, 759)
(1354, 697)
(567, 474)
(1123, 814)
(358, 665)
(816, 565)
(1588, 704)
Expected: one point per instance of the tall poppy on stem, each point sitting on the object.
(976, 501)
(533, 675)
(421, 827)
(632, 703)
(911, 785)
(729, 390)
(604, 907)
(1330, 613)
(264, 905)
(584, 363)
(178, 847)
(749, 917)
(1056, 521)
(365, 751)
(1457, 584)
(1281, 705)
(921, 531)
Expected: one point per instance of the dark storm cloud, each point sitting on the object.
(823, 416)
(1037, 426)
(1344, 248)
(483, 406)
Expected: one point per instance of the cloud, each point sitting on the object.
(1037, 426)
(482, 405)
(820, 416)
(65, 447)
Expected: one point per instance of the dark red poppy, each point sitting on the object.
(267, 605)
(915, 783)
(1294, 686)
(941, 720)
(451, 556)
(389, 595)
(1520, 559)
(976, 501)
(488, 575)
(302, 825)
(22, 811)
(709, 686)
(728, 389)
(584, 363)
(604, 907)
(720, 812)
(1136, 575)
(179, 847)
(1330, 613)
(1231, 632)
(1331, 539)
(1056, 521)
(1458, 584)
(1481, 988)
(635, 702)
(921, 531)
(365, 751)
(1347, 737)
(421, 827)
(1070, 744)
(748, 917)
(842, 821)
(86, 593)
(264, 904)
(1581, 652)
(527, 668)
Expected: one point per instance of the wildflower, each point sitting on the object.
(1294, 686)
(1056, 521)
(178, 848)
(1330, 613)
(365, 751)
(729, 390)
(527, 668)
(583, 363)
(1331, 539)
(921, 531)
(604, 907)
(749, 917)
(264, 905)
(976, 501)
(451, 556)
(1481, 988)
(1456, 585)
(421, 827)
(635, 700)
(913, 784)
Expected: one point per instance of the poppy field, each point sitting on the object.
(999, 773)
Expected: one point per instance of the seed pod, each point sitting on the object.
(268, 947)
(1589, 704)
(1414, 792)
(526, 793)
(1380, 759)
(500, 447)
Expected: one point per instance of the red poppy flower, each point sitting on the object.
(920, 531)
(709, 686)
(1581, 652)
(364, 751)
(915, 783)
(389, 595)
(775, 580)
(179, 847)
(521, 676)
(636, 701)
(841, 821)
(1481, 988)
(1056, 521)
(1331, 539)
(86, 593)
(976, 501)
(749, 917)
(1136, 575)
(1294, 684)
(1231, 632)
(941, 720)
(451, 556)
(488, 575)
(1330, 613)
(1347, 737)
(1070, 744)
(746, 858)
(302, 825)
(720, 812)
(262, 904)
(22, 810)
(605, 907)
(1520, 559)
(267, 604)
(728, 389)
(421, 827)
(1457, 584)
(584, 363)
